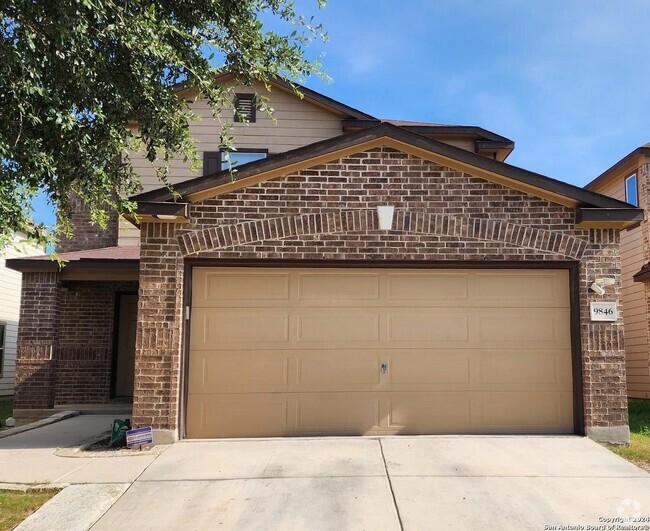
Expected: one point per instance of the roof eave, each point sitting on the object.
(608, 218)
(162, 211)
(625, 163)
(397, 138)
(26, 265)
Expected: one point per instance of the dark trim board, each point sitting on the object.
(576, 349)
(162, 208)
(117, 302)
(573, 268)
(628, 160)
(280, 161)
(630, 214)
(27, 264)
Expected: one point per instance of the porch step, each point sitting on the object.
(98, 409)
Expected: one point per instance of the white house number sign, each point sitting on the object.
(603, 311)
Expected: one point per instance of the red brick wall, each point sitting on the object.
(83, 368)
(328, 212)
(158, 340)
(65, 341)
(85, 234)
(38, 344)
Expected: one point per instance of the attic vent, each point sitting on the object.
(245, 108)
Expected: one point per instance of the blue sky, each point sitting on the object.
(567, 81)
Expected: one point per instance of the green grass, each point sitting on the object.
(16, 505)
(639, 449)
(6, 409)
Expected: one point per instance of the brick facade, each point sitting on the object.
(83, 367)
(158, 340)
(66, 341)
(38, 345)
(85, 234)
(328, 213)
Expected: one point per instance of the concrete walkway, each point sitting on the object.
(29, 457)
(391, 483)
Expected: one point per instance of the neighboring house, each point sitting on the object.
(628, 180)
(274, 303)
(9, 309)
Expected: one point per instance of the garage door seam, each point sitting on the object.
(390, 486)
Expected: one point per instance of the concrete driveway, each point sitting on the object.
(443, 482)
(386, 483)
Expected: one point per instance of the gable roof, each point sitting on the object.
(345, 111)
(621, 165)
(389, 136)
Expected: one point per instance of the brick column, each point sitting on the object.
(603, 347)
(158, 339)
(38, 342)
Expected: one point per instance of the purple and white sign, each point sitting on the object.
(139, 436)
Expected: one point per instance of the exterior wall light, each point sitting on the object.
(600, 284)
(385, 215)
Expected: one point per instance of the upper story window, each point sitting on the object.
(631, 190)
(245, 107)
(214, 161)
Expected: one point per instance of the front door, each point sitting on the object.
(126, 328)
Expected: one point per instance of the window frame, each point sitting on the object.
(3, 345)
(212, 155)
(636, 189)
(245, 96)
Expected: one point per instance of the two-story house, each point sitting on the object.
(628, 180)
(355, 275)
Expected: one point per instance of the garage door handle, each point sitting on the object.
(384, 368)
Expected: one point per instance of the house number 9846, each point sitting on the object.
(603, 311)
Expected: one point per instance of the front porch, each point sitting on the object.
(77, 331)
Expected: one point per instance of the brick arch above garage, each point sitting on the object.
(365, 221)
(340, 198)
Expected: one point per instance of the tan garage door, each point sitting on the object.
(378, 351)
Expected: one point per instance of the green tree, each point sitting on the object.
(74, 73)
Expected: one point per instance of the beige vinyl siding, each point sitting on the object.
(10, 282)
(297, 123)
(635, 311)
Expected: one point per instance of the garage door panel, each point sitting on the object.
(328, 288)
(243, 415)
(415, 413)
(527, 327)
(222, 287)
(427, 286)
(336, 413)
(239, 371)
(521, 288)
(431, 326)
(428, 368)
(526, 369)
(224, 326)
(523, 412)
(357, 370)
(340, 325)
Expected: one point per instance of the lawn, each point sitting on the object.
(5, 411)
(639, 450)
(16, 505)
